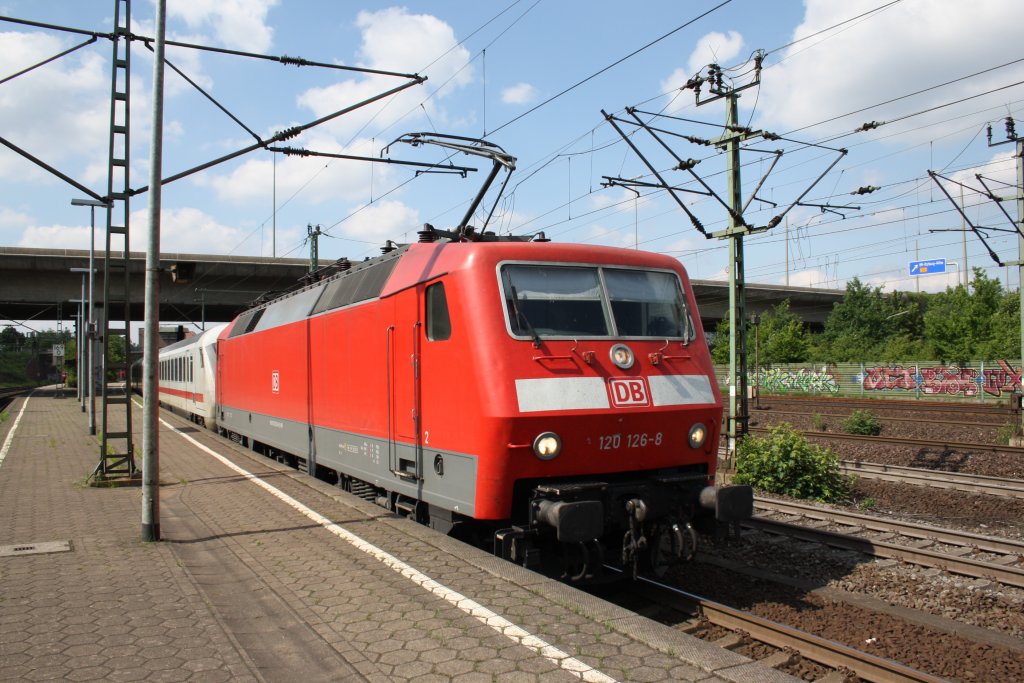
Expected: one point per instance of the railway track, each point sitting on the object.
(8, 394)
(788, 640)
(955, 481)
(958, 552)
(884, 418)
(926, 443)
(1001, 411)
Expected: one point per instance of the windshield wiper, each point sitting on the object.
(519, 314)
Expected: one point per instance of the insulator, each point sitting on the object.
(427, 234)
(388, 247)
(540, 237)
(342, 264)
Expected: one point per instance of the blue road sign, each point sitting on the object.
(935, 265)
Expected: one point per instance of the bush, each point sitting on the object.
(785, 463)
(862, 422)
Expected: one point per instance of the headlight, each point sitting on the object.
(622, 356)
(698, 434)
(547, 445)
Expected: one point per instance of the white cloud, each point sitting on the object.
(810, 278)
(906, 47)
(380, 221)
(520, 93)
(68, 236)
(55, 113)
(10, 218)
(188, 230)
(183, 230)
(237, 24)
(320, 179)
(395, 40)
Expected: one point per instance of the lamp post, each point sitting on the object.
(80, 333)
(91, 327)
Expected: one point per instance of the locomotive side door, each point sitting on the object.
(405, 449)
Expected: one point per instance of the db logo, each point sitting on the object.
(628, 392)
(275, 381)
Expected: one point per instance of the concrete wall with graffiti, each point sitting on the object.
(981, 380)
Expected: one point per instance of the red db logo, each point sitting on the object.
(628, 392)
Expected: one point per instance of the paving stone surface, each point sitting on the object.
(243, 586)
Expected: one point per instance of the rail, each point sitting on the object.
(815, 648)
(944, 444)
(1001, 569)
(955, 481)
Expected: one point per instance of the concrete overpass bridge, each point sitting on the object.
(39, 284)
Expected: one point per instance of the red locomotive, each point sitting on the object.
(557, 401)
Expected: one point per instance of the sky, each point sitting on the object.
(533, 77)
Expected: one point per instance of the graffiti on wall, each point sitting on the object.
(803, 380)
(949, 380)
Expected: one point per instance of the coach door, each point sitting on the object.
(404, 414)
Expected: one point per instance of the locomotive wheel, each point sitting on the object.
(667, 548)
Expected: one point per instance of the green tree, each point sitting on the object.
(960, 325)
(11, 339)
(869, 324)
(115, 355)
(780, 337)
(1004, 333)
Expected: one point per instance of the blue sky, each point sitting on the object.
(533, 76)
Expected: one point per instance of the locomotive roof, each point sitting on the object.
(406, 265)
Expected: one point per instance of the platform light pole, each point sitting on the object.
(90, 329)
(80, 336)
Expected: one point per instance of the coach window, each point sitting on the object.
(439, 324)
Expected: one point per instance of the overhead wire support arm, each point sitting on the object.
(627, 183)
(974, 228)
(208, 96)
(57, 27)
(688, 166)
(778, 218)
(42, 164)
(300, 152)
(998, 200)
(837, 209)
(281, 136)
(664, 185)
(54, 58)
(289, 61)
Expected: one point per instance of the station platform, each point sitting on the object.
(265, 574)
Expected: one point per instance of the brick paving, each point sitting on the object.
(243, 586)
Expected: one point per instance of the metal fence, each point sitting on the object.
(992, 381)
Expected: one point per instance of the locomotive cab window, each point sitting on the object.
(550, 300)
(646, 303)
(439, 324)
(554, 301)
